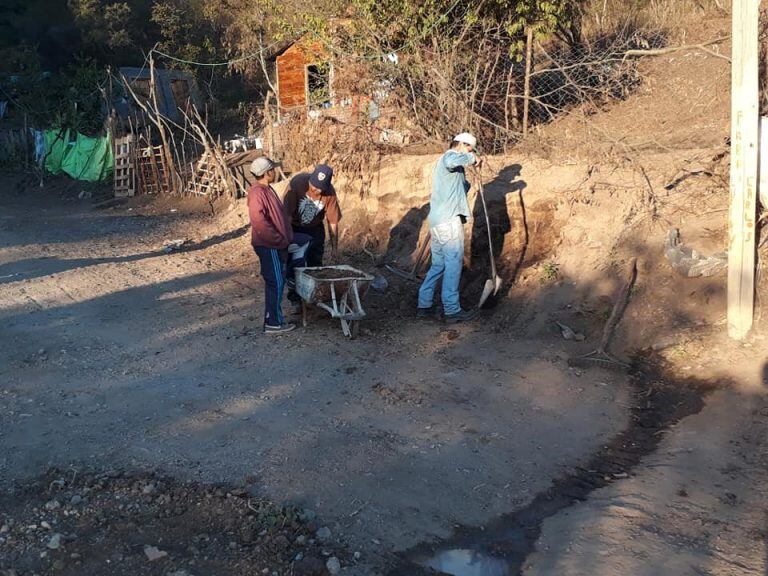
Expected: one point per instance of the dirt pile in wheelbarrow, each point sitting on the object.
(127, 524)
(335, 274)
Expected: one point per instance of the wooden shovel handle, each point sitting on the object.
(481, 191)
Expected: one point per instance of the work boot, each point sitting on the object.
(460, 316)
(281, 329)
(425, 313)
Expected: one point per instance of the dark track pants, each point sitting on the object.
(273, 270)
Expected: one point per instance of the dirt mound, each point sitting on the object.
(128, 524)
(335, 274)
(683, 103)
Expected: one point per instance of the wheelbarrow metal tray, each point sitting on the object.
(314, 290)
(340, 296)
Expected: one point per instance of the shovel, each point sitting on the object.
(493, 283)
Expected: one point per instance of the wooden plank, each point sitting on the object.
(744, 167)
(123, 172)
(291, 77)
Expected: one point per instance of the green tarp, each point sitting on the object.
(82, 157)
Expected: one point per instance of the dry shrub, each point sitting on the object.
(671, 16)
(351, 149)
(302, 142)
(441, 87)
(482, 90)
(476, 90)
(473, 79)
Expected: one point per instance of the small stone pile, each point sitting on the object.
(125, 524)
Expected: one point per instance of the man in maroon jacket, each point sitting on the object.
(271, 237)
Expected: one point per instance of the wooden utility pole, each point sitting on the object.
(744, 168)
(762, 187)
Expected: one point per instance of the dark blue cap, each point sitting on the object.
(321, 177)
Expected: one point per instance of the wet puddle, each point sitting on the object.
(465, 562)
(501, 547)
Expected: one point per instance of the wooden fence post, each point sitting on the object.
(744, 168)
(527, 93)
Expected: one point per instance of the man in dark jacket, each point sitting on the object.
(271, 237)
(310, 201)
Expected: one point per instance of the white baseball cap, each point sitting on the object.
(466, 138)
(262, 165)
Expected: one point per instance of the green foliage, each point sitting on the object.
(185, 31)
(249, 26)
(71, 98)
(318, 83)
(19, 60)
(550, 272)
(397, 23)
(103, 23)
(77, 91)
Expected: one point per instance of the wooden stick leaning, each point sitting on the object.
(601, 356)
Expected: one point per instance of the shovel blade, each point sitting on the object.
(488, 289)
(496, 285)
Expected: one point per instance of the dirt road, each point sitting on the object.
(116, 354)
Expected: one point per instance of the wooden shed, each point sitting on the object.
(304, 76)
(311, 80)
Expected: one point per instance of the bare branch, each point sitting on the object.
(669, 50)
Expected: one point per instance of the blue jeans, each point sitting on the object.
(447, 247)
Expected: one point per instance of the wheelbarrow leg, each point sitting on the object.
(350, 304)
(303, 313)
(356, 295)
(345, 324)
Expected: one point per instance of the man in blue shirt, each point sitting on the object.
(448, 211)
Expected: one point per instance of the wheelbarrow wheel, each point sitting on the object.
(350, 328)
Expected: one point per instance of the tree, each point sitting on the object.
(103, 23)
(397, 23)
(261, 27)
(185, 31)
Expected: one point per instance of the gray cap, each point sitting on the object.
(262, 165)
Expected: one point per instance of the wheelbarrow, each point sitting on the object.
(338, 290)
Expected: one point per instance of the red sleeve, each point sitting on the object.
(255, 208)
